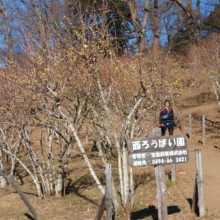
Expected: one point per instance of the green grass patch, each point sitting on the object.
(169, 183)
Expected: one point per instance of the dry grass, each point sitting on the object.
(83, 197)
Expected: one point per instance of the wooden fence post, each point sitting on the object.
(173, 173)
(198, 195)
(146, 133)
(199, 178)
(180, 122)
(22, 195)
(108, 196)
(101, 209)
(190, 126)
(203, 129)
(161, 184)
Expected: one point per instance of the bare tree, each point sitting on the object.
(8, 30)
(190, 22)
(155, 26)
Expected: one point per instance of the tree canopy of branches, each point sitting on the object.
(68, 66)
(141, 24)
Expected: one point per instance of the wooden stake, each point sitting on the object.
(199, 179)
(173, 173)
(203, 129)
(180, 122)
(108, 199)
(156, 132)
(161, 184)
(146, 133)
(101, 209)
(190, 126)
(22, 195)
(198, 194)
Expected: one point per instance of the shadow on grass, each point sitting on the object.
(82, 183)
(142, 178)
(29, 216)
(200, 142)
(27, 193)
(87, 199)
(152, 211)
(217, 147)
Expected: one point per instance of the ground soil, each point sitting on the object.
(83, 197)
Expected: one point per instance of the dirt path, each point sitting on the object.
(211, 175)
(200, 103)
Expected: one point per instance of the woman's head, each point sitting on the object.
(167, 103)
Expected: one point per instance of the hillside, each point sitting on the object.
(83, 197)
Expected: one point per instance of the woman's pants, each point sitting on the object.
(170, 129)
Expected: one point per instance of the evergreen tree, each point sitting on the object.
(212, 22)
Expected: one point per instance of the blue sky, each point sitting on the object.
(206, 7)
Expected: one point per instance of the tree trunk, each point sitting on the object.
(119, 165)
(48, 161)
(28, 171)
(7, 24)
(13, 159)
(132, 188)
(41, 26)
(216, 93)
(67, 21)
(155, 28)
(190, 21)
(102, 155)
(137, 25)
(144, 24)
(125, 172)
(87, 159)
(58, 188)
(43, 162)
(191, 25)
(198, 19)
(2, 178)
(34, 157)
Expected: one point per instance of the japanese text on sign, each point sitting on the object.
(160, 154)
(157, 143)
(137, 145)
(155, 158)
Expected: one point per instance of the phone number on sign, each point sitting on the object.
(169, 160)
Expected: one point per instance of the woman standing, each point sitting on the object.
(166, 119)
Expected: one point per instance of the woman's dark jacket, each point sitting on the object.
(167, 117)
